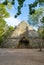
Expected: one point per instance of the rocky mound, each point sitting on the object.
(21, 28)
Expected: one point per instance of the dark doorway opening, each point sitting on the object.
(23, 43)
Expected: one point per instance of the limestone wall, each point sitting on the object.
(13, 43)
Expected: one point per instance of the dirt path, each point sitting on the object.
(21, 57)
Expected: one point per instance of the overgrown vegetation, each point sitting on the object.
(5, 30)
(33, 12)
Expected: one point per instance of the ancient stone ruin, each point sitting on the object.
(24, 36)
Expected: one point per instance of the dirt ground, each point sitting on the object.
(21, 57)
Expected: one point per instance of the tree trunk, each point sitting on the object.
(41, 45)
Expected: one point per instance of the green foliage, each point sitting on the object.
(41, 36)
(3, 12)
(2, 22)
(8, 1)
(34, 4)
(11, 28)
(3, 25)
(5, 30)
(2, 29)
(31, 6)
(20, 5)
(41, 32)
(8, 31)
(9, 5)
(5, 2)
(42, 20)
(41, 1)
(20, 2)
(13, 2)
(35, 16)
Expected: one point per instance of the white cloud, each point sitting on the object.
(12, 21)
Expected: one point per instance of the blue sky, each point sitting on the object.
(24, 16)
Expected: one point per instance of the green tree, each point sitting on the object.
(20, 5)
(3, 11)
(3, 25)
(35, 4)
(8, 32)
(35, 17)
(38, 20)
(2, 29)
(41, 36)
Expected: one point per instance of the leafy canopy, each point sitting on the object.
(20, 5)
(35, 17)
(3, 12)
